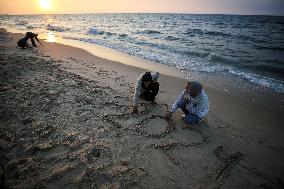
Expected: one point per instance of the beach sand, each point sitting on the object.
(66, 122)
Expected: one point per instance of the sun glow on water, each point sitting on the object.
(51, 37)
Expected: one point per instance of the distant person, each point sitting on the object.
(147, 87)
(33, 36)
(193, 101)
(23, 43)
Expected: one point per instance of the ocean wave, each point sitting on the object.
(149, 32)
(196, 66)
(51, 27)
(190, 31)
(263, 81)
(250, 38)
(95, 31)
(21, 23)
(194, 53)
(260, 80)
(199, 32)
(243, 37)
(171, 38)
(194, 32)
(123, 35)
(145, 43)
(216, 33)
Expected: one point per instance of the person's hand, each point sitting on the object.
(135, 110)
(169, 115)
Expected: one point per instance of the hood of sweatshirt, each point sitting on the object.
(155, 76)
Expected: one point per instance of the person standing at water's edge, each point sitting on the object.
(147, 87)
(193, 101)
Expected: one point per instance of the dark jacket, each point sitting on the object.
(23, 42)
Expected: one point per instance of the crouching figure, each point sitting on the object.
(193, 101)
(147, 88)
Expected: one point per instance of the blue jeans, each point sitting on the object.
(189, 117)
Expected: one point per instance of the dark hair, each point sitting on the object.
(146, 77)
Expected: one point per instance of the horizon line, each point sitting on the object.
(232, 14)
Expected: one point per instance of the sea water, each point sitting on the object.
(249, 47)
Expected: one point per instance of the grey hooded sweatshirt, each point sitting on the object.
(198, 105)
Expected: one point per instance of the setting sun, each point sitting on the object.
(45, 4)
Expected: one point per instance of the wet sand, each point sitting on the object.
(66, 122)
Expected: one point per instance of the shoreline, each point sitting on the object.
(235, 125)
(214, 80)
(109, 54)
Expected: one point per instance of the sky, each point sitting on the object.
(243, 7)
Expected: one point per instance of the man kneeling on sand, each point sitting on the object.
(147, 87)
(193, 101)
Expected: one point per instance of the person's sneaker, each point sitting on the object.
(183, 117)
